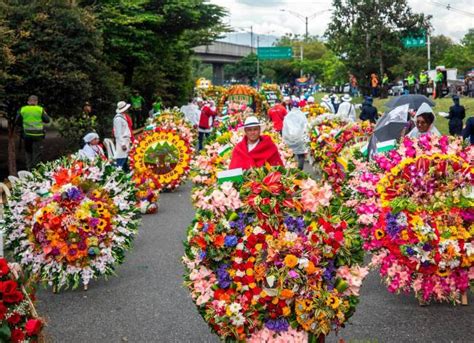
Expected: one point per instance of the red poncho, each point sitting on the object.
(277, 114)
(265, 151)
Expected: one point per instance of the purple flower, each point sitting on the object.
(277, 325)
(393, 229)
(74, 194)
(202, 255)
(223, 277)
(293, 274)
(93, 222)
(230, 241)
(294, 224)
(410, 251)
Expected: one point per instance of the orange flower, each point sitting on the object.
(219, 241)
(291, 261)
(287, 294)
(311, 269)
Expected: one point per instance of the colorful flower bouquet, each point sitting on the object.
(19, 321)
(163, 154)
(273, 259)
(415, 208)
(173, 119)
(147, 193)
(313, 110)
(71, 221)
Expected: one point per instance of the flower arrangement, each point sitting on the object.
(242, 94)
(18, 317)
(415, 212)
(71, 221)
(164, 154)
(147, 193)
(173, 119)
(273, 259)
(313, 110)
(329, 138)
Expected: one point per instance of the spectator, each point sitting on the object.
(302, 103)
(295, 134)
(423, 82)
(137, 102)
(439, 83)
(457, 113)
(206, 120)
(424, 122)
(468, 131)
(411, 80)
(32, 118)
(369, 112)
(384, 92)
(374, 84)
(92, 149)
(327, 104)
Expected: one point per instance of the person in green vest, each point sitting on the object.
(157, 105)
(411, 80)
(385, 81)
(439, 78)
(31, 118)
(423, 81)
(138, 103)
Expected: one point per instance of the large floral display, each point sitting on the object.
(19, 321)
(272, 258)
(147, 192)
(242, 94)
(173, 119)
(71, 221)
(415, 208)
(164, 154)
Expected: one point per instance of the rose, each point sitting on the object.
(4, 269)
(14, 319)
(3, 311)
(17, 336)
(9, 291)
(33, 327)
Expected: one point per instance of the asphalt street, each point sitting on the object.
(146, 301)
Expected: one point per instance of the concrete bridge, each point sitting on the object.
(220, 53)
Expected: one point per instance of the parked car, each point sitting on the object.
(396, 89)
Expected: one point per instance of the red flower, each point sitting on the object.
(33, 327)
(17, 335)
(3, 311)
(14, 319)
(9, 292)
(4, 269)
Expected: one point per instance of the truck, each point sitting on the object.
(450, 79)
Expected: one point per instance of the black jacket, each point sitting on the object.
(369, 113)
(468, 131)
(457, 112)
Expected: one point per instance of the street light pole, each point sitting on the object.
(258, 64)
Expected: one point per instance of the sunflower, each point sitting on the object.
(333, 301)
(379, 234)
(442, 272)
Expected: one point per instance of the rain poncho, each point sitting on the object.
(294, 131)
(191, 113)
(415, 133)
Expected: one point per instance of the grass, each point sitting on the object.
(442, 105)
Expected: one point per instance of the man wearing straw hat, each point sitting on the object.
(347, 109)
(255, 149)
(123, 136)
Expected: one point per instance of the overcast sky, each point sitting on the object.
(266, 16)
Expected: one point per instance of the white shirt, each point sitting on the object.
(328, 106)
(122, 136)
(347, 110)
(91, 152)
(251, 146)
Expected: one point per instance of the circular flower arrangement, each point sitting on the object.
(147, 193)
(415, 208)
(273, 259)
(328, 140)
(71, 221)
(173, 119)
(18, 317)
(164, 154)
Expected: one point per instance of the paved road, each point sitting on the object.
(147, 303)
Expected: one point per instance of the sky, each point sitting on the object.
(266, 16)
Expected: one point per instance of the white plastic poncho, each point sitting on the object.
(191, 113)
(295, 131)
(415, 133)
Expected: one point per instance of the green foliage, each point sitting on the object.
(461, 56)
(367, 34)
(245, 69)
(75, 128)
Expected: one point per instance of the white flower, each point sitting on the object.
(235, 307)
(238, 320)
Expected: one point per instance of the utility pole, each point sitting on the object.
(258, 64)
(301, 59)
(251, 38)
(306, 32)
(428, 45)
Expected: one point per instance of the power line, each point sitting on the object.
(451, 8)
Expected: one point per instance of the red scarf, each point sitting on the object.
(265, 151)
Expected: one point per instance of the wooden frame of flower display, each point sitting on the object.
(242, 93)
(72, 221)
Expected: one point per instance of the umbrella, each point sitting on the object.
(389, 127)
(413, 100)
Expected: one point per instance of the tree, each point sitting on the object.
(461, 55)
(244, 70)
(367, 34)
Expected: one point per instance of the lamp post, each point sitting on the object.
(305, 19)
(258, 59)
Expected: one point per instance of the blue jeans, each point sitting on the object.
(123, 163)
(201, 138)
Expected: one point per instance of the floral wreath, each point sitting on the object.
(273, 258)
(164, 154)
(72, 221)
(175, 120)
(242, 91)
(414, 208)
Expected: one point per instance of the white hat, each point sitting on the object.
(90, 137)
(311, 99)
(346, 97)
(302, 97)
(122, 106)
(198, 99)
(286, 98)
(252, 122)
(325, 98)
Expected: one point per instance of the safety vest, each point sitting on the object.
(385, 80)
(439, 77)
(423, 78)
(32, 120)
(411, 80)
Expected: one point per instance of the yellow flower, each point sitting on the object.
(379, 234)
(333, 301)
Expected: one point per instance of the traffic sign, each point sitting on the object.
(275, 53)
(414, 42)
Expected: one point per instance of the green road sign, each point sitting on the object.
(414, 42)
(275, 53)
